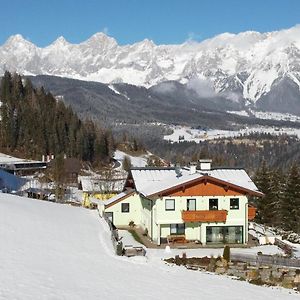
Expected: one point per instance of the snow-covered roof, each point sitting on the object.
(7, 159)
(90, 184)
(8, 162)
(152, 181)
(118, 197)
(235, 176)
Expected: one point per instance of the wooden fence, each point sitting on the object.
(287, 249)
(272, 260)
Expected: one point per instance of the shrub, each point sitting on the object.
(131, 224)
(226, 253)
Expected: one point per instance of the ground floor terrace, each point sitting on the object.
(217, 238)
(201, 227)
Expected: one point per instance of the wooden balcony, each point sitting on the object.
(251, 213)
(204, 216)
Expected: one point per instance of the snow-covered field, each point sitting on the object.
(53, 251)
(184, 133)
(136, 161)
(266, 115)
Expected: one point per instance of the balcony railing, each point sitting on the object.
(251, 213)
(204, 216)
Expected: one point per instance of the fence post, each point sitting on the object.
(118, 245)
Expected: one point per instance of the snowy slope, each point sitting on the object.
(136, 161)
(244, 65)
(185, 133)
(52, 251)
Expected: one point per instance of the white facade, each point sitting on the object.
(162, 215)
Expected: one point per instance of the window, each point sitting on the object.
(224, 234)
(170, 204)
(177, 229)
(213, 204)
(234, 203)
(191, 204)
(125, 207)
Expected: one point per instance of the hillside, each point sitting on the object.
(124, 103)
(54, 251)
(34, 123)
(168, 102)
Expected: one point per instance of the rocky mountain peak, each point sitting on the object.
(261, 58)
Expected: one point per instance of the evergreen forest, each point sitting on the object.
(280, 207)
(34, 123)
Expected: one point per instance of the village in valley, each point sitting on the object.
(150, 150)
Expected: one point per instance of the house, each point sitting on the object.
(99, 187)
(11, 183)
(205, 205)
(20, 166)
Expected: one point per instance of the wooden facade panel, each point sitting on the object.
(251, 213)
(205, 189)
(204, 216)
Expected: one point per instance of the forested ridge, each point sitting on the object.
(248, 152)
(34, 123)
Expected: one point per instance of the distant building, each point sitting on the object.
(99, 187)
(11, 183)
(206, 205)
(20, 166)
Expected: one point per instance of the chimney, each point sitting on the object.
(178, 170)
(205, 164)
(193, 166)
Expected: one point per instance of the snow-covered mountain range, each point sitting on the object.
(248, 66)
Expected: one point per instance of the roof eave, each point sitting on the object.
(207, 177)
(120, 199)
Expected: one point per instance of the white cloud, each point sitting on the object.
(105, 30)
(203, 87)
(165, 87)
(192, 37)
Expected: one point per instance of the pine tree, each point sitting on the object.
(126, 165)
(290, 205)
(59, 177)
(33, 122)
(276, 193)
(264, 205)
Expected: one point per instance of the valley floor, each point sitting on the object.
(52, 251)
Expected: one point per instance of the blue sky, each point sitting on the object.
(128, 21)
